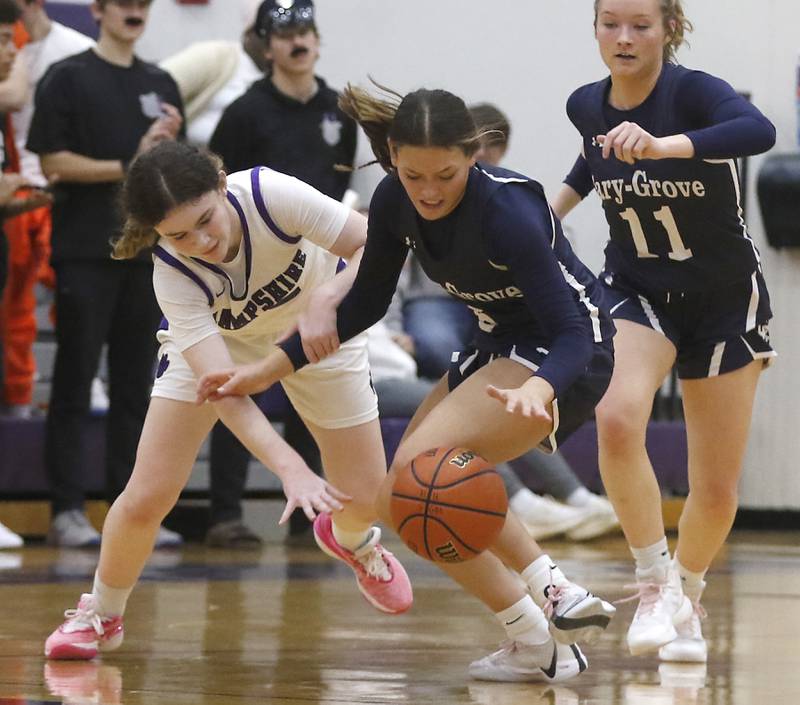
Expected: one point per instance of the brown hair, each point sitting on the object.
(160, 179)
(492, 123)
(676, 25)
(423, 118)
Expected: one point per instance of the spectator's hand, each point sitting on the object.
(166, 127)
(35, 198)
(9, 185)
(405, 341)
(311, 493)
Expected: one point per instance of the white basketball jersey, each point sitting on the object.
(287, 227)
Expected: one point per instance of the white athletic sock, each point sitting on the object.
(579, 498)
(110, 601)
(693, 583)
(351, 540)
(653, 556)
(539, 575)
(524, 622)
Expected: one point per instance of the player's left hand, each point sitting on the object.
(629, 142)
(522, 401)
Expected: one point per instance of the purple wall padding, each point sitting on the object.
(22, 450)
(666, 445)
(22, 468)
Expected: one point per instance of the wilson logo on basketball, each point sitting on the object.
(462, 459)
(448, 553)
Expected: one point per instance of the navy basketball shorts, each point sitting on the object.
(574, 407)
(714, 332)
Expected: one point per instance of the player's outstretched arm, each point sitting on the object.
(301, 486)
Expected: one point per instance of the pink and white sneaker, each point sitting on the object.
(84, 633)
(379, 575)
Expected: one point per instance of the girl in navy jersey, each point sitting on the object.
(685, 288)
(539, 363)
(237, 260)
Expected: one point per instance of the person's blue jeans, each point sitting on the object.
(439, 326)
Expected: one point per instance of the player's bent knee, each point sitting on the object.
(620, 423)
(145, 507)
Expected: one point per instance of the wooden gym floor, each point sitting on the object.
(286, 625)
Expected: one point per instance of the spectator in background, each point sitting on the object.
(288, 120)
(10, 184)
(212, 74)
(93, 113)
(29, 233)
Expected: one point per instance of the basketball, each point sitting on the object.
(448, 505)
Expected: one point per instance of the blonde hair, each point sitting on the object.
(676, 25)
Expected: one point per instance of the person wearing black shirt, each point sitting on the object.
(290, 122)
(94, 112)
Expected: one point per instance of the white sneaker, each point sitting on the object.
(662, 605)
(8, 539)
(689, 646)
(515, 662)
(597, 518)
(543, 516)
(165, 538)
(71, 529)
(575, 614)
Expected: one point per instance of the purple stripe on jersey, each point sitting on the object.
(262, 209)
(248, 253)
(164, 325)
(340, 265)
(166, 257)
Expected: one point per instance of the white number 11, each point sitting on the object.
(679, 251)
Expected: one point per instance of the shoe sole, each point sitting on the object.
(551, 530)
(593, 528)
(78, 652)
(584, 623)
(673, 653)
(645, 647)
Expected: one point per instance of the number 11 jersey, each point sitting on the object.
(675, 224)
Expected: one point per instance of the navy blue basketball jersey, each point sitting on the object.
(502, 252)
(675, 224)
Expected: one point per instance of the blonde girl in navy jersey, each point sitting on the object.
(238, 259)
(685, 288)
(540, 361)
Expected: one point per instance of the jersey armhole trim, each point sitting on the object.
(167, 258)
(261, 207)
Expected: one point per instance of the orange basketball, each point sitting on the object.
(448, 505)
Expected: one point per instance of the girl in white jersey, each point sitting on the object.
(238, 261)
